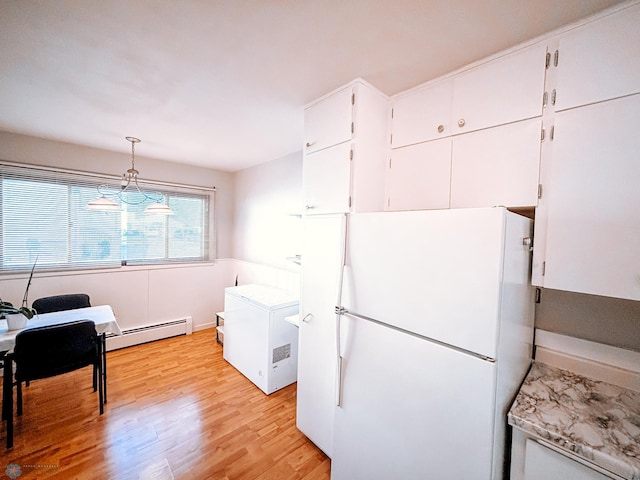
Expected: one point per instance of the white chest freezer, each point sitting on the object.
(258, 341)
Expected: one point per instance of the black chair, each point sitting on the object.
(45, 352)
(58, 303)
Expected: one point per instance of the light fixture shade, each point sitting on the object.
(159, 209)
(103, 204)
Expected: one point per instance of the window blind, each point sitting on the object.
(44, 216)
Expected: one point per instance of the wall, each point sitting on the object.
(267, 230)
(139, 295)
(612, 321)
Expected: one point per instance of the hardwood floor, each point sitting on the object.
(176, 409)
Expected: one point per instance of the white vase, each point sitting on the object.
(16, 321)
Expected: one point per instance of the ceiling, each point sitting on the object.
(222, 83)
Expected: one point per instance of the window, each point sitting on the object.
(44, 216)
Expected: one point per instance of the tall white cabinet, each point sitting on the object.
(343, 172)
(588, 220)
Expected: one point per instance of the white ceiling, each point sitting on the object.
(222, 83)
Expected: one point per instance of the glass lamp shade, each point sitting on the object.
(159, 209)
(103, 204)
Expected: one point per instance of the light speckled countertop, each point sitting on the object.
(595, 420)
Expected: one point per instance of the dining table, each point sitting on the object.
(101, 315)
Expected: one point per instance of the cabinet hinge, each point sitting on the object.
(542, 133)
(547, 62)
(544, 268)
(351, 154)
(538, 295)
(539, 190)
(353, 99)
(556, 56)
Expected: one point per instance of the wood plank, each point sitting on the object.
(176, 410)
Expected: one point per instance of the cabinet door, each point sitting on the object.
(419, 176)
(328, 122)
(593, 224)
(422, 115)
(542, 463)
(317, 346)
(326, 180)
(497, 166)
(599, 61)
(504, 90)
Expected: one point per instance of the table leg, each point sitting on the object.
(103, 340)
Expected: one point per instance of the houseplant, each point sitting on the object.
(17, 316)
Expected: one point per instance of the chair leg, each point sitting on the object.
(19, 397)
(100, 389)
(7, 399)
(95, 378)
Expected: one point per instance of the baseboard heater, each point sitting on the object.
(150, 333)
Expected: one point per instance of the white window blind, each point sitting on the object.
(44, 216)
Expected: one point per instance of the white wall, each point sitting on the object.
(267, 230)
(139, 295)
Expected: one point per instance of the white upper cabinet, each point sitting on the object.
(345, 151)
(599, 61)
(504, 90)
(329, 121)
(422, 115)
(497, 166)
(326, 180)
(592, 201)
(419, 176)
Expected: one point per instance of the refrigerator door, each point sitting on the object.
(411, 409)
(438, 273)
(322, 260)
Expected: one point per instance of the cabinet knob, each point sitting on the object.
(307, 318)
(309, 144)
(309, 207)
(461, 122)
(440, 128)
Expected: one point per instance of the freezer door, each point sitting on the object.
(411, 409)
(439, 273)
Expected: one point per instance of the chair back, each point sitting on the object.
(44, 352)
(58, 303)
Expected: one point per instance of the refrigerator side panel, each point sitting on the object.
(411, 409)
(322, 259)
(515, 345)
(436, 273)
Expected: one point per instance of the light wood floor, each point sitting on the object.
(176, 410)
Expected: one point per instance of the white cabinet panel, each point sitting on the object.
(504, 90)
(599, 61)
(317, 348)
(419, 176)
(497, 166)
(422, 115)
(328, 121)
(594, 199)
(326, 180)
(542, 463)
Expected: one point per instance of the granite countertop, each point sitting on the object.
(595, 420)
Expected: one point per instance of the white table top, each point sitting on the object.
(101, 315)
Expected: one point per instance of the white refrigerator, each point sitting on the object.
(435, 334)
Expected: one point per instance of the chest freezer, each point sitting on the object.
(258, 341)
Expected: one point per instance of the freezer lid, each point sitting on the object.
(264, 296)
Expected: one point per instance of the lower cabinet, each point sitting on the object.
(542, 463)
